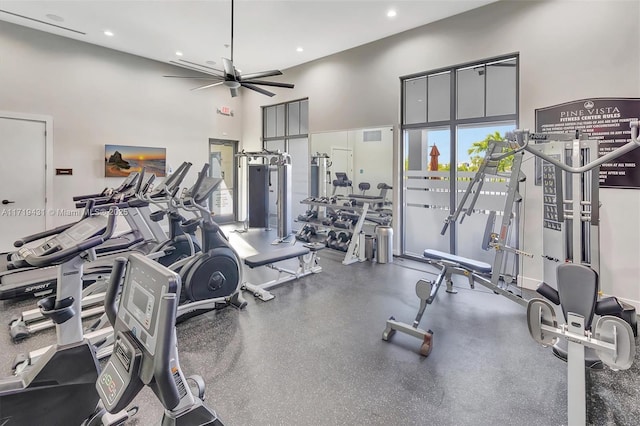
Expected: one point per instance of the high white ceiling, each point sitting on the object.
(266, 33)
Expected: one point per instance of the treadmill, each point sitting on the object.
(20, 280)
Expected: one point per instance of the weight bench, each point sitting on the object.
(307, 264)
(449, 265)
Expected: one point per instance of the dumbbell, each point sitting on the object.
(344, 239)
(304, 235)
(331, 239)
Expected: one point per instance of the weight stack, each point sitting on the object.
(258, 196)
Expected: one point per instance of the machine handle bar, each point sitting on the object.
(115, 281)
(523, 142)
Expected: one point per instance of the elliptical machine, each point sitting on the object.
(212, 278)
(182, 242)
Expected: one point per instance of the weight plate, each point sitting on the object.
(616, 331)
(541, 312)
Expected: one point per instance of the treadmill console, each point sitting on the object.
(81, 231)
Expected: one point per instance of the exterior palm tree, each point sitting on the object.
(479, 148)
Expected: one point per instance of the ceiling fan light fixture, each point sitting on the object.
(232, 84)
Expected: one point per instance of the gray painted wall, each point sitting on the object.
(99, 96)
(568, 50)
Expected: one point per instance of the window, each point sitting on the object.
(448, 116)
(285, 127)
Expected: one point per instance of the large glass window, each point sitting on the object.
(444, 143)
(285, 127)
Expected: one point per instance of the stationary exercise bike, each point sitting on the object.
(145, 351)
(59, 388)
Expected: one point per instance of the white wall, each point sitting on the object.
(98, 96)
(568, 50)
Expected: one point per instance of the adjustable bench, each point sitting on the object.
(449, 264)
(307, 264)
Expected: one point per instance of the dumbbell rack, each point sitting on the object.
(355, 252)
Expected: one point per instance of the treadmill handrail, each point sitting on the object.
(58, 256)
(44, 234)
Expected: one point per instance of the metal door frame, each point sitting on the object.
(234, 144)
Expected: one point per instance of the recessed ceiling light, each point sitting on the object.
(391, 13)
(108, 33)
(55, 17)
(299, 49)
(178, 53)
(211, 62)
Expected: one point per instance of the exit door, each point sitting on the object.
(223, 163)
(22, 169)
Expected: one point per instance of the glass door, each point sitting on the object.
(223, 164)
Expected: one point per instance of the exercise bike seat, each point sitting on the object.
(465, 262)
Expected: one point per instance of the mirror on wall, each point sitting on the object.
(364, 155)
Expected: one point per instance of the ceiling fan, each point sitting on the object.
(230, 76)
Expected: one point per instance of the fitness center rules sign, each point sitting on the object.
(604, 119)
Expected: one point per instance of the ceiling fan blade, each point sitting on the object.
(189, 67)
(234, 92)
(269, 83)
(206, 86)
(213, 77)
(229, 70)
(257, 89)
(200, 65)
(260, 74)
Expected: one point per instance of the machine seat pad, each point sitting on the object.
(609, 306)
(549, 293)
(273, 256)
(465, 262)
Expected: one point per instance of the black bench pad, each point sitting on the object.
(465, 262)
(376, 198)
(273, 256)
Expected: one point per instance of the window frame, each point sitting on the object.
(453, 123)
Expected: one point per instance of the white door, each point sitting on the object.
(22, 169)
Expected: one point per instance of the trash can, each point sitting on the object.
(384, 247)
(369, 247)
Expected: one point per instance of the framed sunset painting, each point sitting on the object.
(120, 160)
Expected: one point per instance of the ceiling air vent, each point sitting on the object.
(372, 136)
(42, 22)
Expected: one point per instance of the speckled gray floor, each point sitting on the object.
(314, 356)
